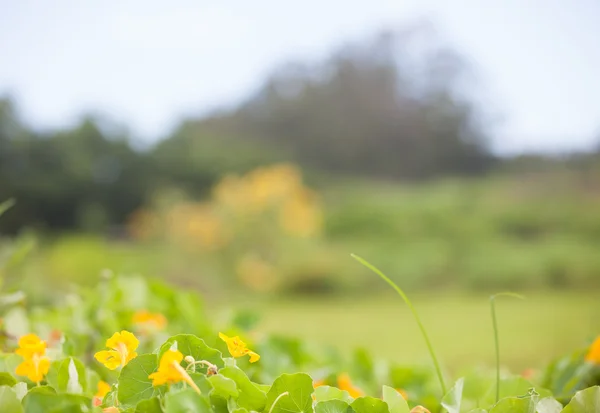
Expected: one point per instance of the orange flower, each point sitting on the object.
(35, 364)
(237, 348)
(344, 383)
(103, 389)
(149, 321)
(593, 354)
(122, 350)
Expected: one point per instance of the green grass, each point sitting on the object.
(532, 331)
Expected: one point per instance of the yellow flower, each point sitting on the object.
(103, 389)
(35, 365)
(593, 354)
(29, 345)
(167, 370)
(35, 368)
(170, 371)
(122, 350)
(237, 348)
(150, 320)
(344, 383)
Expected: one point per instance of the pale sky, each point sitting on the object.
(147, 63)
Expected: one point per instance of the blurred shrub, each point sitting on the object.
(251, 227)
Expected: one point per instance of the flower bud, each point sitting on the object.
(189, 359)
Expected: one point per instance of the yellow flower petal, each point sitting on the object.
(34, 368)
(122, 350)
(253, 356)
(110, 358)
(237, 348)
(167, 371)
(29, 345)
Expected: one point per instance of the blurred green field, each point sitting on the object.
(532, 331)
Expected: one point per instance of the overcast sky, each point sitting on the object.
(147, 63)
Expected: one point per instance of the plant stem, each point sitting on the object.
(415, 315)
(186, 377)
(496, 339)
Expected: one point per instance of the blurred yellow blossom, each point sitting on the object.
(149, 321)
(35, 365)
(237, 348)
(122, 350)
(196, 225)
(593, 354)
(300, 215)
(344, 383)
(103, 389)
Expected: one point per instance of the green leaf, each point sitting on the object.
(190, 345)
(223, 387)
(369, 405)
(511, 387)
(333, 406)
(7, 379)
(16, 322)
(325, 393)
(548, 405)
(514, 405)
(299, 387)
(151, 405)
(186, 401)
(452, 400)
(20, 389)
(67, 376)
(584, 401)
(394, 400)
(40, 400)
(250, 396)
(134, 384)
(9, 401)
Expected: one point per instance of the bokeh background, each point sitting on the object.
(245, 149)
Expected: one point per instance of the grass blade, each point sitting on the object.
(415, 315)
(496, 340)
(6, 205)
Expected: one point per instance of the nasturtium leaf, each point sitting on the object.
(7, 379)
(20, 389)
(134, 384)
(9, 362)
(511, 387)
(515, 405)
(453, 399)
(67, 376)
(37, 401)
(548, 405)
(394, 400)
(478, 411)
(324, 393)
(151, 405)
(190, 345)
(223, 387)
(219, 404)
(202, 382)
(299, 388)
(333, 406)
(9, 401)
(369, 405)
(239, 410)
(250, 396)
(584, 401)
(186, 401)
